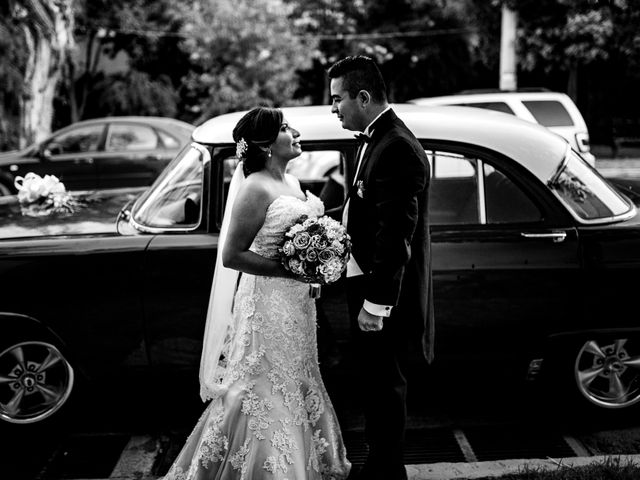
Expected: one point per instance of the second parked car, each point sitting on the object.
(101, 153)
(554, 110)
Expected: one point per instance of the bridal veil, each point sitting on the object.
(219, 312)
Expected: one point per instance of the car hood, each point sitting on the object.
(13, 156)
(96, 214)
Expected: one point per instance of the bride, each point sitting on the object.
(269, 415)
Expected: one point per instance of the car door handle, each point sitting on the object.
(83, 160)
(556, 237)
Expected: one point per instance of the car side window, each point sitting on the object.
(549, 113)
(168, 141)
(82, 139)
(466, 190)
(126, 137)
(505, 202)
(454, 189)
(497, 106)
(175, 199)
(319, 172)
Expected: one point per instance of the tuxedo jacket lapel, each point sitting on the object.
(379, 128)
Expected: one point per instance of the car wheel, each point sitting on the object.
(35, 381)
(607, 372)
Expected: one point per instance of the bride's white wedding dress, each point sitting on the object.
(275, 421)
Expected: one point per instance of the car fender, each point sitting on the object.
(20, 327)
(556, 341)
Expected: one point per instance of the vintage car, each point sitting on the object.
(535, 259)
(109, 152)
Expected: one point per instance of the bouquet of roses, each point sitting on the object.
(43, 195)
(316, 249)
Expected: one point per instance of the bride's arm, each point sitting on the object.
(247, 217)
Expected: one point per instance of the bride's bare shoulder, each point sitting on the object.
(254, 192)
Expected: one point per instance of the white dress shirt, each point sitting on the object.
(353, 269)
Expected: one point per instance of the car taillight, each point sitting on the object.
(582, 140)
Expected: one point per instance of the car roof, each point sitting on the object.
(148, 119)
(491, 97)
(533, 146)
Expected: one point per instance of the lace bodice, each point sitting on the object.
(283, 213)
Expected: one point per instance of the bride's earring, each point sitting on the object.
(269, 152)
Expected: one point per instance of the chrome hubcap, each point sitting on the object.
(607, 374)
(35, 381)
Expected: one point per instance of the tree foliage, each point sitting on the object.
(240, 55)
(564, 34)
(147, 30)
(423, 46)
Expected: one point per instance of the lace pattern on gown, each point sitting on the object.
(275, 420)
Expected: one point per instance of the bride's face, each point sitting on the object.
(287, 144)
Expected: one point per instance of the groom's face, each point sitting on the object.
(348, 110)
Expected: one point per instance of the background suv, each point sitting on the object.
(554, 110)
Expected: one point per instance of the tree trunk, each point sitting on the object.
(48, 31)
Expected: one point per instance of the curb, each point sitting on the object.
(480, 470)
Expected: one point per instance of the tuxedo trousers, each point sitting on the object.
(381, 360)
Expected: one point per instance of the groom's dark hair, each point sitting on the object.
(360, 73)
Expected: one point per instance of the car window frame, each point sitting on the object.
(220, 152)
(107, 136)
(203, 224)
(554, 213)
(99, 147)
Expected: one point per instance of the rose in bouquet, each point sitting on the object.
(43, 195)
(316, 249)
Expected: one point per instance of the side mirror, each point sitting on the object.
(44, 153)
(48, 150)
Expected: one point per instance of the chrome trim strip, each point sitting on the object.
(557, 237)
(206, 158)
(482, 204)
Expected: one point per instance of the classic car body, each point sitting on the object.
(535, 258)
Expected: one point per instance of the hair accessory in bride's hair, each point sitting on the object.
(241, 148)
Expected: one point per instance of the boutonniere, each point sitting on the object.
(360, 186)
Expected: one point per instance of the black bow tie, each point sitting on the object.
(362, 137)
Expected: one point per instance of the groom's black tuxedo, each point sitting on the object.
(389, 228)
(388, 224)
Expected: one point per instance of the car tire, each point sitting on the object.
(600, 375)
(36, 380)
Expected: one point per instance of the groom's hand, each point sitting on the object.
(369, 322)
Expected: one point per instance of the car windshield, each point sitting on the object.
(586, 193)
(173, 201)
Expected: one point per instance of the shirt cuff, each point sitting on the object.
(378, 310)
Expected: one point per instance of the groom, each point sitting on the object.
(389, 275)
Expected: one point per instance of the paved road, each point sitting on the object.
(125, 436)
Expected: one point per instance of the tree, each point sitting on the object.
(147, 30)
(333, 24)
(44, 29)
(13, 58)
(241, 55)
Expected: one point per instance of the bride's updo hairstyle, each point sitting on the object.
(253, 134)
